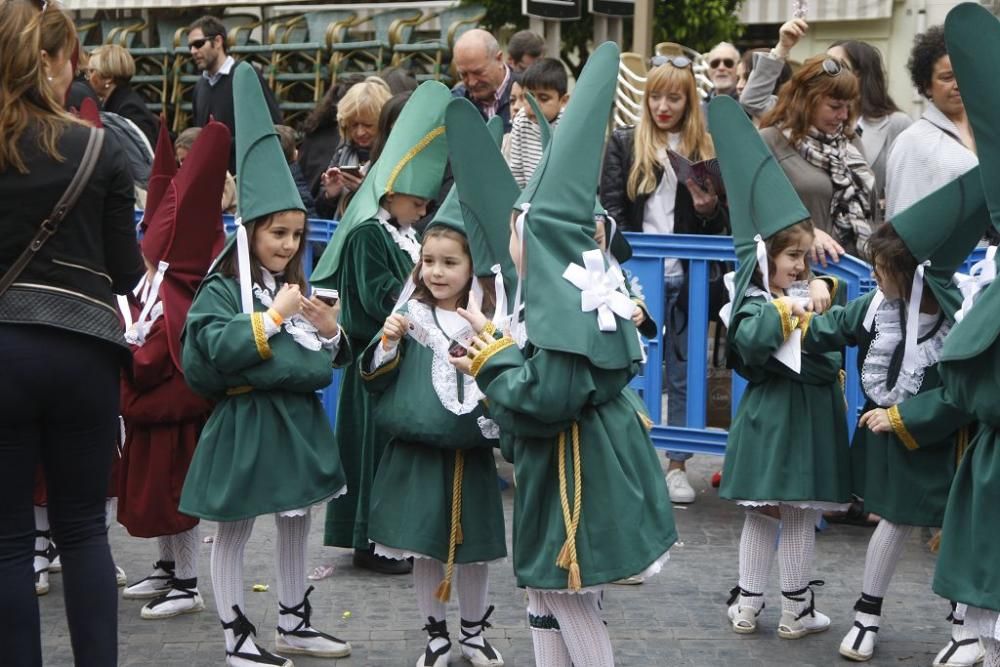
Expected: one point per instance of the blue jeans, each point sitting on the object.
(675, 350)
(58, 405)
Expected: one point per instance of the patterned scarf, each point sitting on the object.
(853, 182)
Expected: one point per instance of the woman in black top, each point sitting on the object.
(61, 344)
(109, 72)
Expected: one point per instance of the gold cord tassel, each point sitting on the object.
(443, 592)
(567, 558)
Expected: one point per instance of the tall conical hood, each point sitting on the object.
(160, 174)
(185, 232)
(973, 38)
(943, 228)
(265, 183)
(449, 214)
(411, 163)
(485, 187)
(762, 201)
(573, 303)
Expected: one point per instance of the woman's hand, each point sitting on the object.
(332, 182)
(876, 420)
(288, 300)
(477, 344)
(351, 180)
(322, 315)
(789, 35)
(705, 199)
(393, 330)
(638, 315)
(819, 294)
(473, 315)
(824, 245)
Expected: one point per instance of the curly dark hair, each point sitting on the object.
(928, 48)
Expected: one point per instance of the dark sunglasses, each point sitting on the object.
(832, 67)
(679, 62)
(198, 43)
(728, 62)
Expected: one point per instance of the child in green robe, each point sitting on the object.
(787, 452)
(435, 497)
(910, 438)
(261, 349)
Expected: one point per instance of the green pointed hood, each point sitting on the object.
(411, 163)
(762, 201)
(943, 228)
(973, 37)
(449, 214)
(558, 232)
(485, 188)
(264, 183)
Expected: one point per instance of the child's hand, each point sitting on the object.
(462, 364)
(321, 315)
(393, 330)
(477, 344)
(638, 315)
(819, 293)
(473, 315)
(876, 420)
(288, 300)
(794, 306)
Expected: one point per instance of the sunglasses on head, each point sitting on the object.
(679, 62)
(832, 67)
(198, 43)
(715, 62)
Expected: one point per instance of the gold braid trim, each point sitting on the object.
(834, 288)
(259, 337)
(455, 537)
(483, 355)
(412, 153)
(489, 329)
(236, 391)
(384, 368)
(804, 323)
(961, 444)
(899, 428)
(567, 558)
(788, 323)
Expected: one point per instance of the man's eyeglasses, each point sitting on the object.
(679, 62)
(198, 43)
(727, 62)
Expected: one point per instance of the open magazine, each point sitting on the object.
(700, 172)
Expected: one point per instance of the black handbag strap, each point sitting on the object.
(69, 198)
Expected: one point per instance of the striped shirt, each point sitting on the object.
(526, 146)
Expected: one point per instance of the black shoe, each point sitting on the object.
(366, 559)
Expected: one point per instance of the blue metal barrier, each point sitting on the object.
(649, 253)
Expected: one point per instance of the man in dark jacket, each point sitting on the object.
(486, 79)
(213, 94)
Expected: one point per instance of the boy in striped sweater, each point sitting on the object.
(546, 80)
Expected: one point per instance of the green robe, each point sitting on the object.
(970, 546)
(626, 522)
(268, 446)
(411, 506)
(370, 277)
(902, 477)
(788, 441)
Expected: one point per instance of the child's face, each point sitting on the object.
(790, 263)
(406, 209)
(276, 242)
(516, 99)
(514, 247)
(445, 269)
(549, 101)
(885, 283)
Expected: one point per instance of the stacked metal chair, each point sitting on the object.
(432, 53)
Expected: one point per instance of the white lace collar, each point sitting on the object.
(888, 335)
(301, 329)
(444, 377)
(406, 238)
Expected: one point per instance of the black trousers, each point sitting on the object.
(59, 400)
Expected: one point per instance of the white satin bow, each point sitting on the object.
(982, 274)
(600, 290)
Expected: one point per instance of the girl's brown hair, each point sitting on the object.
(294, 272)
(26, 96)
(696, 143)
(423, 294)
(799, 98)
(891, 258)
(778, 242)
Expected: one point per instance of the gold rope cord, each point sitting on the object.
(567, 558)
(455, 538)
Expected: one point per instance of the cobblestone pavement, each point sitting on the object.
(676, 618)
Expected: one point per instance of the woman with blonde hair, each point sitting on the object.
(109, 72)
(357, 116)
(640, 190)
(811, 133)
(60, 335)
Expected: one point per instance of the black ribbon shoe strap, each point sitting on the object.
(737, 591)
(304, 611)
(799, 596)
(179, 589)
(954, 645)
(861, 635)
(869, 604)
(436, 630)
(482, 624)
